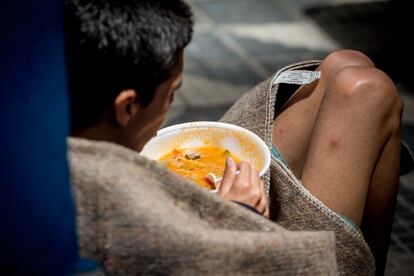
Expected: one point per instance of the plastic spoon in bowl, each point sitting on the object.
(215, 179)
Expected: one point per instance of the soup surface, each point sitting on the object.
(196, 163)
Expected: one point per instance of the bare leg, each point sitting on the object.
(380, 203)
(354, 152)
(358, 121)
(352, 147)
(292, 128)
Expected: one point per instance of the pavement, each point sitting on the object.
(239, 43)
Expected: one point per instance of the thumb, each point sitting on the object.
(229, 176)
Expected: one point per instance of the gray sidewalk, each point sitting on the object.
(239, 43)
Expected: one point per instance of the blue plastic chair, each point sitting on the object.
(37, 232)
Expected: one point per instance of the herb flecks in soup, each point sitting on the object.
(196, 163)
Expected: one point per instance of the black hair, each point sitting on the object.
(114, 45)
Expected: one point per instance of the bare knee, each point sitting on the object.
(344, 58)
(340, 59)
(369, 89)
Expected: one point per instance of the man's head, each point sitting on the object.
(125, 62)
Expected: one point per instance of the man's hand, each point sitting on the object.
(245, 187)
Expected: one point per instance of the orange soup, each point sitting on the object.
(196, 163)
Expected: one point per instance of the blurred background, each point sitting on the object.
(239, 43)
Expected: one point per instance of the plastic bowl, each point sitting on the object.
(239, 141)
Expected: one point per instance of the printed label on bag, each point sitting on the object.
(298, 77)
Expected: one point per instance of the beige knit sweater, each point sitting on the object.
(135, 217)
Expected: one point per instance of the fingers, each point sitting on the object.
(266, 213)
(229, 176)
(244, 177)
(263, 206)
(246, 187)
(254, 190)
(247, 184)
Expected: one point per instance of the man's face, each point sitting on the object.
(150, 118)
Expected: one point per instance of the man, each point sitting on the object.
(336, 136)
(137, 69)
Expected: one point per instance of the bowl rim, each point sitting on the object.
(209, 124)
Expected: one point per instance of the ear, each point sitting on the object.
(126, 107)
